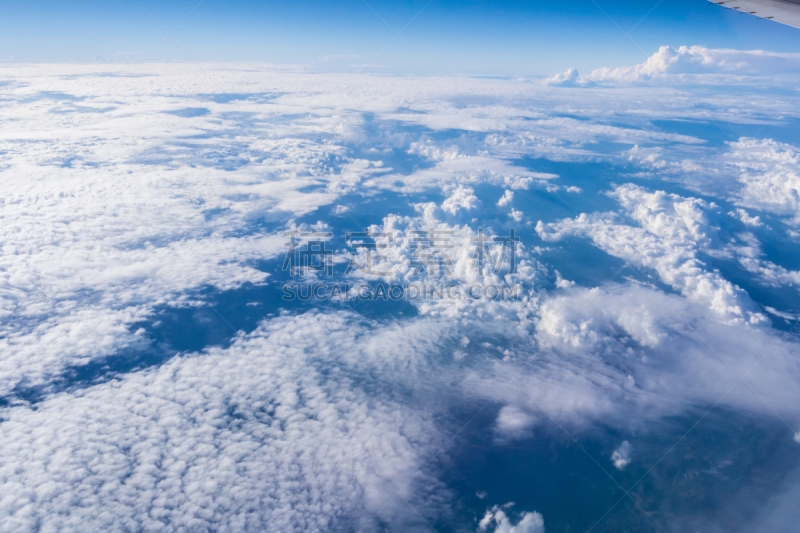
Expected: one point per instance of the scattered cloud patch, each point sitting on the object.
(513, 423)
(697, 61)
(747, 220)
(506, 199)
(570, 78)
(499, 522)
(622, 455)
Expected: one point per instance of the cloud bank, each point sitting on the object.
(690, 64)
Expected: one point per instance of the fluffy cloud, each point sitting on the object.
(622, 455)
(276, 432)
(747, 220)
(506, 199)
(768, 173)
(166, 190)
(565, 79)
(747, 251)
(696, 61)
(313, 401)
(405, 243)
(513, 423)
(497, 518)
(649, 351)
(672, 230)
(461, 199)
(688, 221)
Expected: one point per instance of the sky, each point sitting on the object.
(502, 38)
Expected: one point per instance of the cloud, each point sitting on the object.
(569, 78)
(747, 220)
(610, 321)
(315, 401)
(506, 199)
(513, 423)
(622, 455)
(461, 199)
(529, 522)
(457, 260)
(698, 63)
(768, 173)
(464, 170)
(688, 220)
(629, 357)
(220, 427)
(257, 436)
(672, 230)
(313, 421)
(748, 252)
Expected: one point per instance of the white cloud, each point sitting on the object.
(565, 79)
(622, 455)
(461, 199)
(307, 420)
(669, 216)
(747, 250)
(529, 522)
(506, 199)
(672, 230)
(768, 174)
(465, 170)
(696, 61)
(747, 220)
(340, 210)
(688, 222)
(457, 264)
(257, 436)
(654, 344)
(228, 421)
(433, 152)
(513, 423)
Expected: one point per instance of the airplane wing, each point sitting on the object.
(783, 11)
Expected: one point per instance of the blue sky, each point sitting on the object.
(493, 38)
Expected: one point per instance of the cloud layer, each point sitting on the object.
(647, 253)
(691, 64)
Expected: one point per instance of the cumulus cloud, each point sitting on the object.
(460, 264)
(513, 423)
(747, 250)
(697, 61)
(622, 455)
(768, 173)
(565, 79)
(672, 230)
(506, 199)
(497, 519)
(650, 352)
(461, 199)
(747, 220)
(683, 226)
(316, 421)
